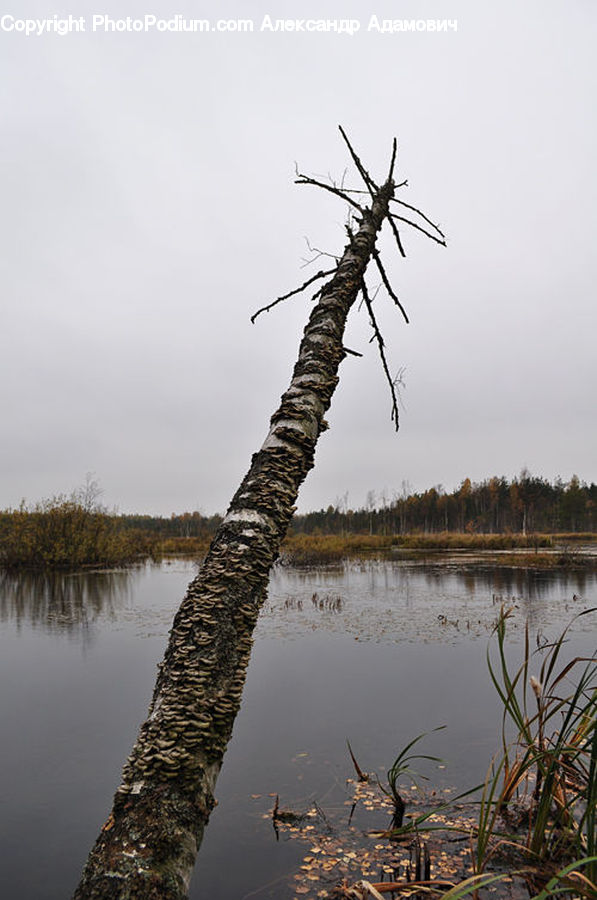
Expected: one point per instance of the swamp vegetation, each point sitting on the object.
(62, 533)
(533, 830)
(525, 513)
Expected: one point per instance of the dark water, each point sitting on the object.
(367, 658)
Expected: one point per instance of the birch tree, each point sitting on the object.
(148, 845)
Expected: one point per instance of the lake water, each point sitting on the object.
(375, 652)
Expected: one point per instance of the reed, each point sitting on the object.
(319, 549)
(400, 768)
(537, 806)
(451, 540)
(543, 786)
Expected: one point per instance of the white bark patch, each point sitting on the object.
(306, 428)
(248, 516)
(312, 377)
(273, 441)
(305, 400)
(322, 339)
(137, 787)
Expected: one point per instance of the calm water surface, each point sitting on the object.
(375, 652)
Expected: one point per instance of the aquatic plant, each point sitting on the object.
(401, 768)
(536, 816)
(543, 784)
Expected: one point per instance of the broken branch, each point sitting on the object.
(380, 345)
(393, 160)
(418, 227)
(387, 284)
(373, 188)
(304, 179)
(298, 290)
(396, 234)
(422, 214)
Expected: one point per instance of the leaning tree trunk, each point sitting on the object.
(147, 847)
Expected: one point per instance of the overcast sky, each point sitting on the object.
(149, 208)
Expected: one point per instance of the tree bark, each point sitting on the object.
(147, 847)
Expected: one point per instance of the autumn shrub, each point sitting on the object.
(183, 546)
(65, 533)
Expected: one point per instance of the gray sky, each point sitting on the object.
(149, 208)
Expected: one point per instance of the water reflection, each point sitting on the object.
(60, 602)
(377, 599)
(369, 659)
(390, 601)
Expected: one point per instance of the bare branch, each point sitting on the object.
(318, 293)
(373, 188)
(393, 160)
(387, 284)
(362, 300)
(418, 227)
(304, 179)
(298, 290)
(352, 352)
(396, 235)
(380, 345)
(423, 216)
(400, 383)
(318, 252)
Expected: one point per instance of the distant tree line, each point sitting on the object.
(76, 530)
(178, 525)
(525, 505)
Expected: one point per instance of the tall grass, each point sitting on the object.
(314, 549)
(537, 809)
(543, 786)
(451, 540)
(317, 549)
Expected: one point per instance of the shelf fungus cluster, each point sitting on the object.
(147, 848)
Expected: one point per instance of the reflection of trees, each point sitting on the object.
(515, 582)
(56, 601)
(477, 581)
(536, 584)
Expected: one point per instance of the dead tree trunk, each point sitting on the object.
(147, 847)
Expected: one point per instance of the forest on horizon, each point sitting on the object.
(494, 506)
